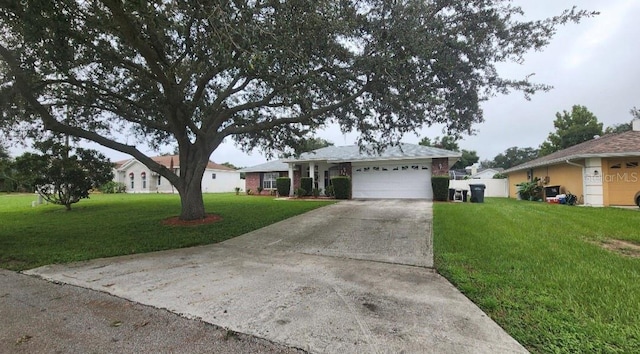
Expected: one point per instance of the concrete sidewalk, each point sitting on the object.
(347, 278)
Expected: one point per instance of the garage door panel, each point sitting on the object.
(410, 181)
(622, 180)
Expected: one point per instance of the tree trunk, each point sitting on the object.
(192, 202)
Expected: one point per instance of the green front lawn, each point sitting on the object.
(118, 224)
(540, 271)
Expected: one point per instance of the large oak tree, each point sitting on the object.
(267, 73)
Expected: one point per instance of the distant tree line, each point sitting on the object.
(571, 128)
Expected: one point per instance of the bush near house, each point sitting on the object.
(341, 187)
(113, 187)
(301, 192)
(440, 185)
(328, 192)
(306, 183)
(283, 184)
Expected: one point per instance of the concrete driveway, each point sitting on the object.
(353, 277)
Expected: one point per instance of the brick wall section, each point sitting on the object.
(252, 181)
(296, 179)
(345, 169)
(440, 167)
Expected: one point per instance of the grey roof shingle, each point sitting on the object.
(269, 166)
(353, 153)
(610, 145)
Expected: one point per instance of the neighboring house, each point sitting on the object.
(487, 173)
(140, 179)
(402, 171)
(458, 174)
(603, 171)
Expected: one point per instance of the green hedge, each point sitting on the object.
(440, 186)
(306, 183)
(341, 187)
(283, 184)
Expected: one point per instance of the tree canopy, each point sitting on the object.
(572, 128)
(136, 74)
(446, 142)
(468, 158)
(623, 127)
(513, 156)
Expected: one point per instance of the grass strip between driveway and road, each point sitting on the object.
(545, 272)
(109, 225)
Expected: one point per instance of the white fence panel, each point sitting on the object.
(495, 187)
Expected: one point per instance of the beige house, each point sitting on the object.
(604, 171)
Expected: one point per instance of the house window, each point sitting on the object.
(143, 176)
(131, 180)
(213, 176)
(159, 180)
(269, 180)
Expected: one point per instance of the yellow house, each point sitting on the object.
(603, 171)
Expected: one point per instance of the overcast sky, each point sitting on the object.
(595, 63)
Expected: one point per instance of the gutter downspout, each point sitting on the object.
(584, 180)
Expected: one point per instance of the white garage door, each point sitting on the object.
(397, 180)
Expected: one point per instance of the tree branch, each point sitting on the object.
(52, 124)
(290, 120)
(131, 34)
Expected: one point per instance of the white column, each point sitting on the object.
(321, 169)
(291, 178)
(312, 174)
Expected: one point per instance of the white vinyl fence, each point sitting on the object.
(494, 187)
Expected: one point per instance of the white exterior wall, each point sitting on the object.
(486, 174)
(495, 187)
(593, 187)
(136, 168)
(225, 181)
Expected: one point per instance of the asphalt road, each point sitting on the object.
(37, 316)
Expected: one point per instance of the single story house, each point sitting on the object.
(486, 173)
(403, 171)
(138, 178)
(604, 171)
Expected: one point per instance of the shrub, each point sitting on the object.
(113, 187)
(329, 191)
(530, 190)
(283, 184)
(341, 187)
(260, 189)
(499, 176)
(249, 191)
(440, 185)
(301, 192)
(316, 192)
(306, 183)
(237, 190)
